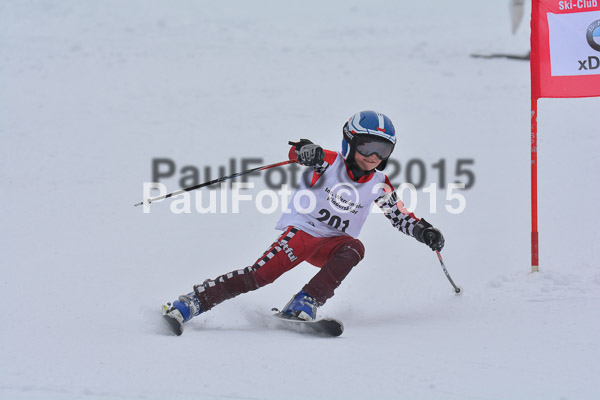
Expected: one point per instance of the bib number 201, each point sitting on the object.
(333, 220)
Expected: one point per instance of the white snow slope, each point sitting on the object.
(91, 92)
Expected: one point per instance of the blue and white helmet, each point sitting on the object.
(368, 125)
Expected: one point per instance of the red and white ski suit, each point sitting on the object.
(326, 214)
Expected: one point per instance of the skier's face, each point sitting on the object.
(366, 163)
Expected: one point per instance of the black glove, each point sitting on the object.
(425, 233)
(308, 153)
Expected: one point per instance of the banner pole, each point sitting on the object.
(534, 209)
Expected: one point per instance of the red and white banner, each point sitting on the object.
(565, 48)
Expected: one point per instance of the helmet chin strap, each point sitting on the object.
(382, 164)
(357, 172)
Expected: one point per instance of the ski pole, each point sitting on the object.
(218, 180)
(457, 289)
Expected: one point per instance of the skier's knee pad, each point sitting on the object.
(354, 250)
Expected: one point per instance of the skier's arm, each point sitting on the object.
(394, 210)
(405, 221)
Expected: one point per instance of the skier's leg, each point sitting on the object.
(288, 251)
(337, 259)
(336, 256)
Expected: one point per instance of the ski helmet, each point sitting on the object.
(369, 132)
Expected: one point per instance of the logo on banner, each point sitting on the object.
(593, 35)
(570, 54)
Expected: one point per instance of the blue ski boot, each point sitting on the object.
(182, 311)
(301, 306)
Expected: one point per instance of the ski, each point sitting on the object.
(326, 327)
(176, 324)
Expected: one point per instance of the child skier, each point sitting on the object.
(326, 215)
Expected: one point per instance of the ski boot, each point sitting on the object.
(302, 306)
(181, 311)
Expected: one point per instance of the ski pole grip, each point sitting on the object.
(429, 236)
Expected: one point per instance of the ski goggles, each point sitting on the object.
(381, 149)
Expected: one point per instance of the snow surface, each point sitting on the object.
(91, 92)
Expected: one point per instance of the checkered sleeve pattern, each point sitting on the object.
(394, 210)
